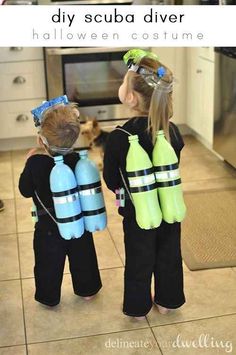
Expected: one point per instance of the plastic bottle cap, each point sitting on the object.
(58, 159)
(83, 154)
(133, 138)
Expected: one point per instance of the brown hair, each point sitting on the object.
(60, 126)
(157, 102)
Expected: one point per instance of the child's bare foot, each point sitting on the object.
(162, 310)
(88, 298)
(139, 318)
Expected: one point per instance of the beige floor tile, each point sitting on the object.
(7, 218)
(27, 255)
(185, 268)
(139, 341)
(23, 215)
(13, 350)
(207, 295)
(225, 183)
(6, 178)
(106, 251)
(114, 217)
(9, 257)
(208, 168)
(75, 317)
(193, 147)
(209, 336)
(11, 319)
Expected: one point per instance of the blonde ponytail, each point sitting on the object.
(160, 112)
(156, 95)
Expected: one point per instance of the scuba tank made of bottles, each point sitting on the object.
(142, 185)
(168, 180)
(65, 194)
(90, 193)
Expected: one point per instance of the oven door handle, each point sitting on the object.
(71, 51)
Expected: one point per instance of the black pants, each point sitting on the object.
(50, 251)
(149, 252)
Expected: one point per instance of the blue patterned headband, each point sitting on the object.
(39, 111)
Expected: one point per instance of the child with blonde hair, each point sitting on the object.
(59, 130)
(147, 89)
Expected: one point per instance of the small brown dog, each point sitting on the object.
(95, 136)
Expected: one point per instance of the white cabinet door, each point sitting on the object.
(207, 53)
(200, 96)
(20, 81)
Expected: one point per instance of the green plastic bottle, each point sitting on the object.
(142, 185)
(168, 180)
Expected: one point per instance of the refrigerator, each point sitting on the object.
(224, 140)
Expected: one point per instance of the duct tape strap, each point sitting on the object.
(166, 167)
(66, 199)
(94, 185)
(143, 188)
(94, 212)
(166, 175)
(142, 180)
(140, 172)
(65, 193)
(90, 192)
(169, 183)
(70, 219)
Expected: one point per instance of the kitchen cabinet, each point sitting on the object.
(17, 54)
(23, 87)
(200, 94)
(22, 80)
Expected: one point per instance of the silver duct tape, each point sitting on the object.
(142, 180)
(66, 199)
(166, 175)
(90, 192)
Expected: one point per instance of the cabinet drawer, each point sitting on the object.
(22, 80)
(16, 119)
(16, 54)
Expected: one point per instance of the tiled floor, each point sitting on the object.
(206, 324)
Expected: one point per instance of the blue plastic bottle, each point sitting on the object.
(66, 200)
(90, 191)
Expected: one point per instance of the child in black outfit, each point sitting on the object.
(156, 251)
(59, 130)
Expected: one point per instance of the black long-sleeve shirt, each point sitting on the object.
(117, 148)
(35, 177)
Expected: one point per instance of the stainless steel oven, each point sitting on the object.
(91, 77)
